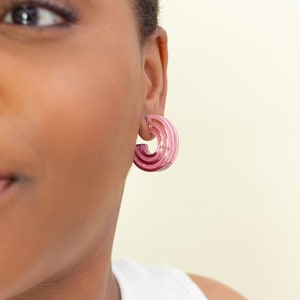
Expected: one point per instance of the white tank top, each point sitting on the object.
(163, 282)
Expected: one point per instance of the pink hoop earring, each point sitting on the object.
(167, 146)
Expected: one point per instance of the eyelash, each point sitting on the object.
(68, 14)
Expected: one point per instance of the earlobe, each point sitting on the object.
(155, 62)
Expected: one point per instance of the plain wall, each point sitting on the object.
(229, 206)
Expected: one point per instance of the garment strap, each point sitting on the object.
(162, 282)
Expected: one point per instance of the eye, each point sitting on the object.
(41, 14)
(32, 16)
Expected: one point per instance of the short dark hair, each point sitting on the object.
(147, 12)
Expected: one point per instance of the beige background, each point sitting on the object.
(229, 207)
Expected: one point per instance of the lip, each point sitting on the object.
(6, 180)
(5, 175)
(5, 184)
(6, 190)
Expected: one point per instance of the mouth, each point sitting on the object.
(6, 181)
(5, 184)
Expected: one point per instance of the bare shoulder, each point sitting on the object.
(215, 290)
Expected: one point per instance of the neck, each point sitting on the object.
(91, 278)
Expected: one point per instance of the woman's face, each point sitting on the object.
(71, 101)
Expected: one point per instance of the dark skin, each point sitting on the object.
(72, 104)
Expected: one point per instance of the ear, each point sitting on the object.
(155, 61)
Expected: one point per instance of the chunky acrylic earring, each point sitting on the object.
(167, 146)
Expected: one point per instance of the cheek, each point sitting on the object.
(89, 111)
(80, 122)
(85, 132)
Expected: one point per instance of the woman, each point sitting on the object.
(77, 82)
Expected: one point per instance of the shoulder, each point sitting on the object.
(215, 290)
